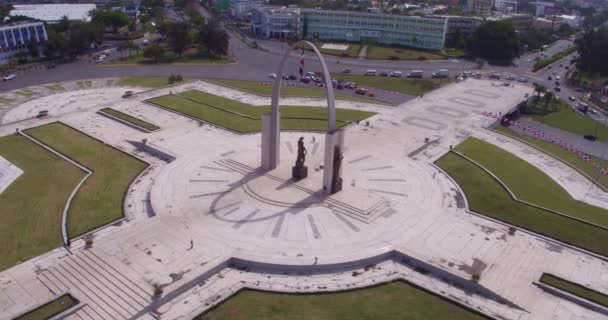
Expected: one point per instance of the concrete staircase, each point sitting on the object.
(101, 283)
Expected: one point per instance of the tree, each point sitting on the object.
(495, 41)
(56, 45)
(564, 29)
(548, 98)
(213, 39)
(177, 37)
(110, 18)
(539, 88)
(154, 51)
(593, 50)
(33, 49)
(63, 25)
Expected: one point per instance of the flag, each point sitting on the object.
(302, 64)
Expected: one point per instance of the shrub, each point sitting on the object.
(344, 54)
(476, 277)
(393, 58)
(421, 58)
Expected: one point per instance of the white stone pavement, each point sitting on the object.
(214, 224)
(8, 173)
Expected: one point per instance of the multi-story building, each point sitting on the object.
(481, 8)
(545, 7)
(506, 6)
(413, 31)
(462, 24)
(273, 22)
(16, 37)
(238, 8)
(520, 21)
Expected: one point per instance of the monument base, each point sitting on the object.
(336, 186)
(299, 173)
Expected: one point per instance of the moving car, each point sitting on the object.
(495, 76)
(396, 74)
(361, 91)
(8, 77)
(416, 74)
(572, 98)
(272, 75)
(558, 89)
(523, 80)
(370, 72)
(346, 71)
(441, 73)
(383, 74)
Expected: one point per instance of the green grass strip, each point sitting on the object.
(55, 87)
(545, 62)
(575, 289)
(99, 201)
(31, 207)
(409, 86)
(225, 112)
(130, 119)
(564, 155)
(5, 100)
(395, 300)
(528, 183)
(147, 82)
(50, 309)
(487, 197)
(559, 114)
(26, 93)
(256, 88)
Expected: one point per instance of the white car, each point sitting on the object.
(529, 60)
(8, 77)
(272, 75)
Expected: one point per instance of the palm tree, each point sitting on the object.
(539, 88)
(548, 98)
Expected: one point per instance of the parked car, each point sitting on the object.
(127, 94)
(495, 76)
(396, 74)
(558, 89)
(350, 85)
(8, 77)
(383, 74)
(511, 78)
(272, 75)
(305, 79)
(571, 98)
(346, 71)
(549, 78)
(523, 80)
(370, 72)
(590, 137)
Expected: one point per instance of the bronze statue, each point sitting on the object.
(300, 171)
(301, 153)
(336, 181)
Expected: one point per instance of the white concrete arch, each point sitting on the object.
(271, 123)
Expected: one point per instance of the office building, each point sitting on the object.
(239, 8)
(16, 37)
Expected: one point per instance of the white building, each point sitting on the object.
(238, 8)
(54, 12)
(16, 37)
(545, 7)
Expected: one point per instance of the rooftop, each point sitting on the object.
(54, 12)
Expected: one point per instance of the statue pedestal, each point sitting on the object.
(299, 173)
(336, 186)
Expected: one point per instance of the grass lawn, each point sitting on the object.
(351, 52)
(147, 82)
(396, 300)
(453, 52)
(50, 309)
(255, 87)
(55, 87)
(191, 56)
(26, 93)
(131, 119)
(575, 289)
(529, 183)
(565, 155)
(100, 199)
(32, 206)
(559, 115)
(5, 100)
(109, 82)
(84, 84)
(410, 86)
(392, 53)
(245, 118)
(486, 196)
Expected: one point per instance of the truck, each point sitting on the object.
(416, 74)
(441, 73)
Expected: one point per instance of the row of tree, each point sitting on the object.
(593, 51)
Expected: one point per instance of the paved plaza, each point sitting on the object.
(8, 173)
(210, 222)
